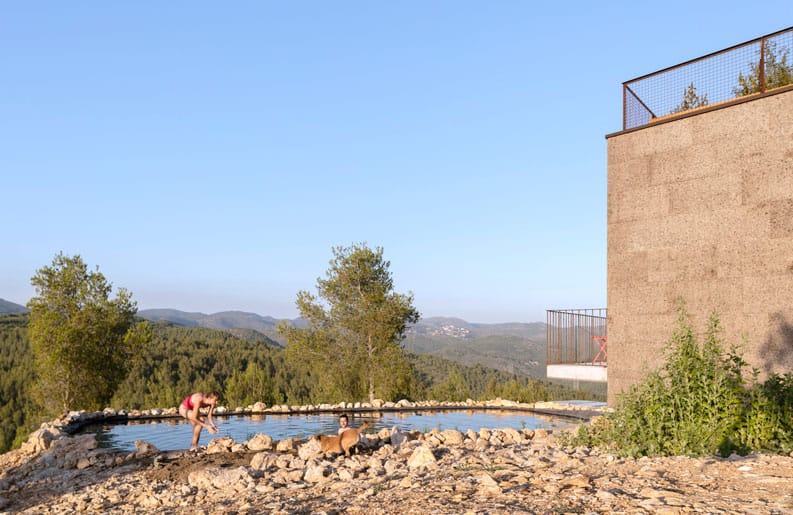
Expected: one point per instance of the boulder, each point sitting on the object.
(488, 485)
(263, 460)
(421, 457)
(288, 445)
(452, 437)
(143, 448)
(316, 473)
(41, 439)
(260, 442)
(222, 444)
(310, 449)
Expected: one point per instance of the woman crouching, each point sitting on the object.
(190, 408)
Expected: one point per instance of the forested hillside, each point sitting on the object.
(515, 348)
(181, 360)
(16, 373)
(508, 353)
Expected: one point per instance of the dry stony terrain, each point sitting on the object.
(495, 471)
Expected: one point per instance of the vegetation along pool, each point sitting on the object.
(175, 433)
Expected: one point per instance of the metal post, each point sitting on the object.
(761, 71)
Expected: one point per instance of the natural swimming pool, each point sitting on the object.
(175, 433)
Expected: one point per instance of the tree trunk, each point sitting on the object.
(370, 352)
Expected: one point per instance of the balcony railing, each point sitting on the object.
(728, 76)
(576, 337)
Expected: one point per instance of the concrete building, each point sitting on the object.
(700, 208)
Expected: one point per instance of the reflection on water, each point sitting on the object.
(173, 434)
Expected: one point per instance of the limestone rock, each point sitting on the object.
(235, 479)
(576, 481)
(143, 448)
(42, 438)
(312, 448)
(316, 473)
(452, 437)
(287, 445)
(488, 485)
(222, 444)
(260, 442)
(421, 457)
(263, 460)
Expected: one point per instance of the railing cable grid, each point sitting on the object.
(745, 70)
(576, 336)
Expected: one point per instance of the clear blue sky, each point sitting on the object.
(208, 156)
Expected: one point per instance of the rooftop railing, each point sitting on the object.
(734, 74)
(576, 336)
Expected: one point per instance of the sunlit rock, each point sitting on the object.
(421, 457)
(452, 437)
(310, 449)
(222, 444)
(260, 442)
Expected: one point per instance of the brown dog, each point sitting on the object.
(343, 442)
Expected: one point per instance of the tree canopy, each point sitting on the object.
(356, 323)
(776, 72)
(82, 339)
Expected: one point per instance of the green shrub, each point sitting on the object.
(699, 402)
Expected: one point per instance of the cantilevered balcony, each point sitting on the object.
(576, 344)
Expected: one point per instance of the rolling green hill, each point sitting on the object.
(508, 353)
(239, 323)
(515, 348)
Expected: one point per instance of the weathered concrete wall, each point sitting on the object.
(701, 209)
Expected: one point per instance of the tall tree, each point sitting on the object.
(356, 325)
(776, 71)
(82, 340)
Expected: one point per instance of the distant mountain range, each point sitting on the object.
(7, 308)
(517, 348)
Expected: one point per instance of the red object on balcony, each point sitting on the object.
(602, 352)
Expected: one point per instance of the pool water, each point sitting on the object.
(175, 434)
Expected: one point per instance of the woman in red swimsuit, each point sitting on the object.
(190, 409)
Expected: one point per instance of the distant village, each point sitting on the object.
(448, 330)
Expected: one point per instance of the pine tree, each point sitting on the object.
(352, 345)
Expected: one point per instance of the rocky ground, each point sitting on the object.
(496, 471)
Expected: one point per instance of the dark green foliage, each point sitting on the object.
(698, 403)
(444, 380)
(356, 325)
(82, 339)
(17, 413)
(183, 360)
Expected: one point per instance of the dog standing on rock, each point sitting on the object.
(343, 442)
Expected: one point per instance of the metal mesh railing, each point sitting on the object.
(750, 68)
(576, 336)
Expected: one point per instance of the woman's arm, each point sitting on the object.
(209, 416)
(195, 415)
